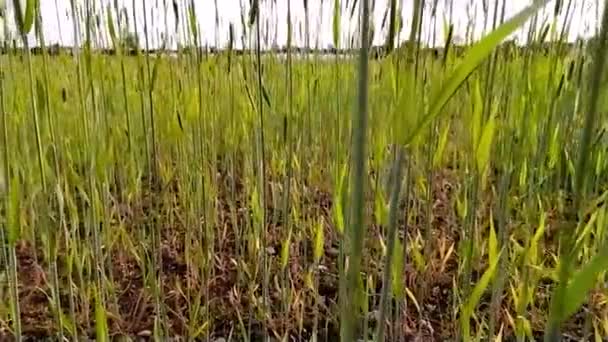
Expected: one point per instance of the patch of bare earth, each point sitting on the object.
(224, 293)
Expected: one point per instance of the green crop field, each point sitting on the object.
(458, 196)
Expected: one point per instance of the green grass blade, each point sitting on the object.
(155, 73)
(560, 305)
(19, 16)
(392, 26)
(101, 323)
(398, 286)
(356, 231)
(492, 242)
(13, 218)
(393, 262)
(111, 28)
(469, 306)
(477, 114)
(285, 250)
(30, 13)
(443, 140)
(583, 281)
(473, 59)
(192, 21)
(339, 194)
(485, 145)
(254, 12)
(336, 23)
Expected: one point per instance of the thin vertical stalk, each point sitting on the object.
(491, 66)
(396, 177)
(392, 27)
(92, 181)
(142, 101)
(150, 92)
(5, 191)
(52, 235)
(153, 178)
(84, 123)
(261, 161)
(502, 211)
(288, 154)
(203, 235)
(33, 104)
(356, 233)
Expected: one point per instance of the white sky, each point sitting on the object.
(58, 23)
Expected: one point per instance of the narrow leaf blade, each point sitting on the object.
(476, 55)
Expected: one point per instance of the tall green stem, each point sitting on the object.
(356, 231)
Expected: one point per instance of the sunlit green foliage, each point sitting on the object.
(452, 196)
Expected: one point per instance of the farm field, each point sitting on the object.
(219, 197)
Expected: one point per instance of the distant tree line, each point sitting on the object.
(130, 46)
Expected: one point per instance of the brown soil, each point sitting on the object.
(223, 292)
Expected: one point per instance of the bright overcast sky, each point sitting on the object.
(58, 23)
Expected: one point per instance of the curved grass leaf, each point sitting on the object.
(558, 7)
(192, 21)
(381, 210)
(583, 236)
(353, 8)
(572, 288)
(285, 250)
(111, 28)
(498, 337)
(485, 145)
(582, 281)
(473, 59)
(201, 330)
(443, 139)
(175, 8)
(336, 23)
(398, 285)
(30, 13)
(19, 15)
(101, 323)
(254, 11)
(532, 251)
(337, 208)
(266, 96)
(469, 307)
(544, 32)
(524, 327)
